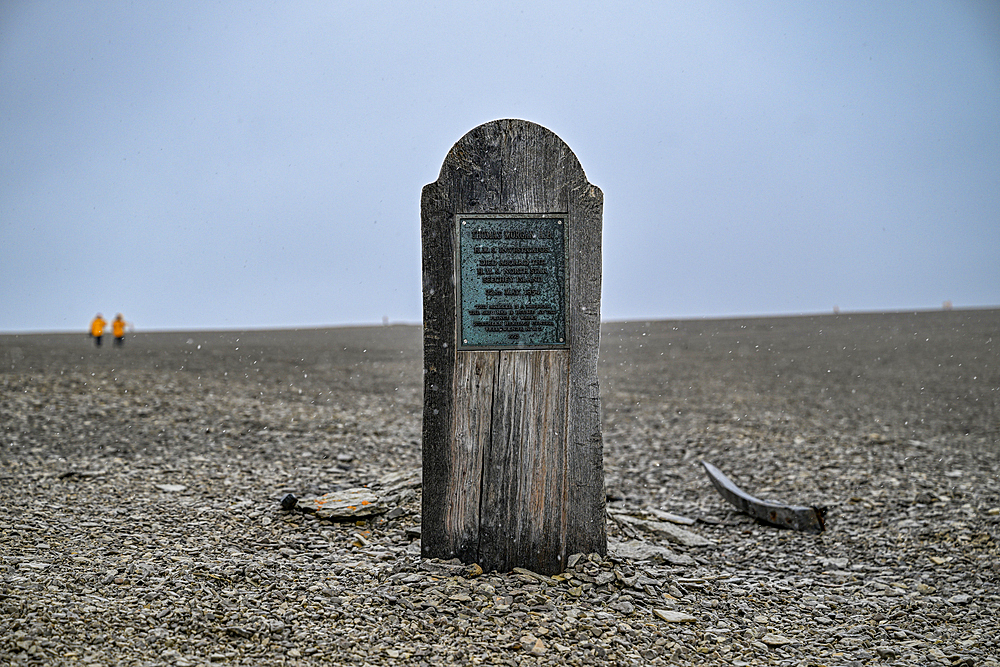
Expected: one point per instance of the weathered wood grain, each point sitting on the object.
(585, 530)
(542, 483)
(472, 418)
(460, 188)
(523, 509)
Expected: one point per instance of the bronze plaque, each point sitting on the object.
(512, 281)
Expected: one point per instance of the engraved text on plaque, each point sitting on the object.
(512, 281)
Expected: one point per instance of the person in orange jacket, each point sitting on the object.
(97, 329)
(118, 329)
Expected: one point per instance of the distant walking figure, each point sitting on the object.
(118, 329)
(97, 329)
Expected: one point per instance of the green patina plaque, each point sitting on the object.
(512, 281)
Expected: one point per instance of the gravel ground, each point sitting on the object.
(142, 521)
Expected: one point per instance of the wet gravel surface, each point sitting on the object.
(142, 522)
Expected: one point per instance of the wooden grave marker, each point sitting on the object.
(513, 470)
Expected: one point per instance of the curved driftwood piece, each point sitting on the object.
(795, 517)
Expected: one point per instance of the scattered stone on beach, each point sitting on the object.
(400, 481)
(670, 516)
(774, 640)
(343, 505)
(639, 550)
(99, 566)
(664, 530)
(673, 616)
(171, 488)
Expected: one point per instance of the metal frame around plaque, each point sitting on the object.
(517, 269)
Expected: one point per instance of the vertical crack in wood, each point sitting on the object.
(564, 519)
(486, 454)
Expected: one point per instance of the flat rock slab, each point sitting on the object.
(639, 550)
(673, 616)
(171, 488)
(665, 530)
(347, 504)
(672, 518)
(398, 481)
(773, 640)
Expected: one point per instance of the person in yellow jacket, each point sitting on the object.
(118, 329)
(97, 329)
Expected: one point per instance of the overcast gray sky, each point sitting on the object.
(258, 164)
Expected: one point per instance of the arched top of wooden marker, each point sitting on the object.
(515, 166)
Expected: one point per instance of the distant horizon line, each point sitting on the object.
(401, 323)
